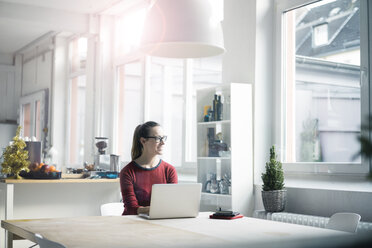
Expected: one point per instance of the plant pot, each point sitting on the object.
(274, 200)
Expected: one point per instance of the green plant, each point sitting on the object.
(366, 143)
(273, 179)
(15, 157)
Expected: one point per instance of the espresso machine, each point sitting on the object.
(101, 159)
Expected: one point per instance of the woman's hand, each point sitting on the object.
(143, 210)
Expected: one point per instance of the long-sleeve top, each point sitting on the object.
(136, 183)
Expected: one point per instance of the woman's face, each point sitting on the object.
(153, 145)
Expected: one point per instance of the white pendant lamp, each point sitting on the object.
(182, 29)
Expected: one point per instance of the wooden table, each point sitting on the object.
(133, 231)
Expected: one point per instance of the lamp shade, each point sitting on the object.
(182, 29)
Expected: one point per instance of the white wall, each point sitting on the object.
(239, 28)
(6, 59)
(263, 97)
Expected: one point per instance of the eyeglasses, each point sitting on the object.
(158, 139)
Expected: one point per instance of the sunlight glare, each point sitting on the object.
(129, 29)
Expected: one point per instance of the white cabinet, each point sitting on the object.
(234, 134)
(9, 94)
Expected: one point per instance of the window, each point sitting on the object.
(322, 104)
(320, 34)
(77, 99)
(33, 114)
(164, 90)
(130, 106)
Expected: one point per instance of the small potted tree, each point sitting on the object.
(15, 157)
(274, 196)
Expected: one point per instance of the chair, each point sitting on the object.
(112, 209)
(347, 222)
(46, 243)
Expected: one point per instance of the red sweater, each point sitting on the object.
(136, 183)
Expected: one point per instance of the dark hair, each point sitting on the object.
(141, 131)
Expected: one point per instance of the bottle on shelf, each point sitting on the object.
(207, 113)
(215, 102)
(219, 108)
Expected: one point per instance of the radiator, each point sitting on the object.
(307, 220)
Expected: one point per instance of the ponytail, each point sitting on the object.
(141, 131)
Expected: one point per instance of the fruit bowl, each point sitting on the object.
(40, 175)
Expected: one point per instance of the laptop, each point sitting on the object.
(174, 201)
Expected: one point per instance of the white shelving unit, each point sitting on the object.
(236, 129)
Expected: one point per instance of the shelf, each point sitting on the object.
(213, 158)
(215, 195)
(238, 166)
(214, 122)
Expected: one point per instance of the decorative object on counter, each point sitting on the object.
(101, 144)
(15, 156)
(108, 174)
(40, 175)
(41, 171)
(274, 196)
(114, 162)
(101, 159)
(88, 167)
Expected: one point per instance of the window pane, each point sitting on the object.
(166, 104)
(26, 110)
(156, 92)
(130, 106)
(322, 82)
(37, 120)
(77, 119)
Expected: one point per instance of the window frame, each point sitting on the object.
(41, 96)
(70, 76)
(362, 168)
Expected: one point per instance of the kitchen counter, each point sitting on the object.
(54, 198)
(62, 180)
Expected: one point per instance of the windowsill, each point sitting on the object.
(329, 182)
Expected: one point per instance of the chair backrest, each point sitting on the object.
(112, 209)
(46, 243)
(347, 222)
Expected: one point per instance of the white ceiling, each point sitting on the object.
(78, 6)
(23, 21)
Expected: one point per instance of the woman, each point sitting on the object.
(146, 168)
